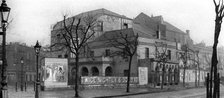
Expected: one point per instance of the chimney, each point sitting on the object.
(188, 32)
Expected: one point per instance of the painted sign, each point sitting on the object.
(143, 75)
(108, 80)
(55, 72)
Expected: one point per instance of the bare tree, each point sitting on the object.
(74, 36)
(126, 45)
(219, 12)
(198, 66)
(184, 58)
(196, 62)
(207, 58)
(161, 57)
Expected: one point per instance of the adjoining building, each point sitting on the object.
(21, 63)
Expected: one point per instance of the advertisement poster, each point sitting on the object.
(55, 72)
(143, 75)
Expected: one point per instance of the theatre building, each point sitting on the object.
(155, 34)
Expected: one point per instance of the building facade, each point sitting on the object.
(21, 63)
(155, 34)
(152, 32)
(105, 21)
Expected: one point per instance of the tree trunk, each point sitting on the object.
(199, 75)
(184, 75)
(185, 64)
(163, 69)
(214, 64)
(129, 74)
(196, 76)
(214, 55)
(76, 74)
(196, 79)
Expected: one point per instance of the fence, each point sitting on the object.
(169, 78)
(101, 81)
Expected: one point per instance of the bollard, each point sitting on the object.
(21, 86)
(25, 86)
(218, 90)
(207, 86)
(16, 86)
(34, 86)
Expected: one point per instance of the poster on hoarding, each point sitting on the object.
(55, 72)
(143, 75)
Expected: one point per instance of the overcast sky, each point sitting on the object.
(32, 19)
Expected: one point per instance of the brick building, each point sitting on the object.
(18, 70)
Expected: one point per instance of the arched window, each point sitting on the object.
(95, 71)
(84, 71)
(108, 71)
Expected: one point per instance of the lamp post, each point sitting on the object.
(21, 61)
(37, 51)
(4, 10)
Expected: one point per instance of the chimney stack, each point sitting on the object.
(188, 32)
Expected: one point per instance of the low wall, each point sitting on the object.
(107, 82)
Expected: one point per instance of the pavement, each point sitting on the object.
(140, 92)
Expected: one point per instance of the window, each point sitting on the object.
(65, 56)
(59, 56)
(100, 25)
(125, 72)
(107, 51)
(72, 55)
(169, 54)
(91, 53)
(146, 52)
(158, 34)
(125, 25)
(58, 35)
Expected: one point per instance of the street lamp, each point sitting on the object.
(4, 11)
(37, 51)
(21, 61)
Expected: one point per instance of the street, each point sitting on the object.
(118, 93)
(189, 93)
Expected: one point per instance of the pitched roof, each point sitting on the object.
(136, 29)
(110, 34)
(143, 19)
(96, 13)
(102, 11)
(146, 20)
(172, 27)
